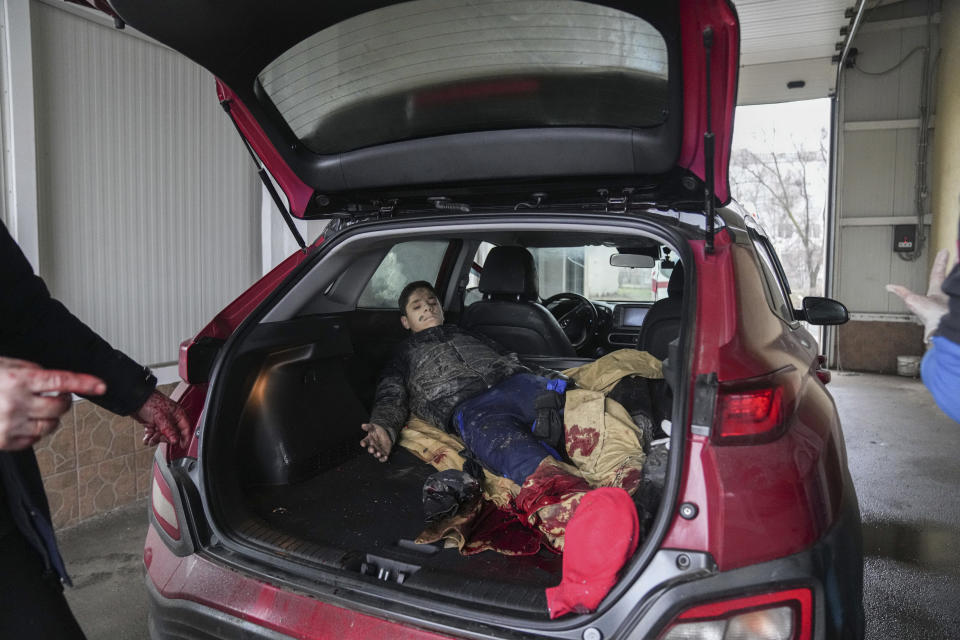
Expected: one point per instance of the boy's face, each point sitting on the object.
(422, 311)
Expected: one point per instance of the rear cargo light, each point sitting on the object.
(784, 615)
(162, 505)
(749, 413)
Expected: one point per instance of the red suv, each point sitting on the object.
(595, 135)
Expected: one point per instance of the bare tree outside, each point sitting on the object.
(784, 185)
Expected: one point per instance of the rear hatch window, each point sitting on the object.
(427, 68)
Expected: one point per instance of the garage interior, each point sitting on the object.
(130, 193)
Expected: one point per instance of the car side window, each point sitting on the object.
(775, 279)
(405, 262)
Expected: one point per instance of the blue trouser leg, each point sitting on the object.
(495, 426)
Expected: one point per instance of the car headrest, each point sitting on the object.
(509, 271)
(675, 285)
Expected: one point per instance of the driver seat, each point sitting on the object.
(509, 312)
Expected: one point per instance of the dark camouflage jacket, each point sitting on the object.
(436, 369)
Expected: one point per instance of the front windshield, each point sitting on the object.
(587, 271)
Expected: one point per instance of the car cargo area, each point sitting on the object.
(288, 479)
(300, 484)
(371, 512)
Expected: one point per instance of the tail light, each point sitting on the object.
(754, 410)
(749, 414)
(161, 500)
(170, 506)
(783, 615)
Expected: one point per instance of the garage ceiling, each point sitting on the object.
(785, 40)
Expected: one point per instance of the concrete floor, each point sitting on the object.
(105, 560)
(903, 454)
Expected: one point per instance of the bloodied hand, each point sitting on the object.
(163, 421)
(32, 399)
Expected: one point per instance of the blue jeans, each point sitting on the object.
(496, 425)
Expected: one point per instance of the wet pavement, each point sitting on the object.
(904, 455)
(105, 561)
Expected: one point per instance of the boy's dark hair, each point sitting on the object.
(408, 291)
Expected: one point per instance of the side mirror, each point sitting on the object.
(822, 311)
(632, 261)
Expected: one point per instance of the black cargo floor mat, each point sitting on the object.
(367, 507)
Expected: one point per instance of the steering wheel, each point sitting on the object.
(577, 322)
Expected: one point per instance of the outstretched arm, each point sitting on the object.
(33, 399)
(940, 312)
(390, 410)
(38, 328)
(929, 308)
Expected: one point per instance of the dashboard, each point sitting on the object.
(620, 324)
(629, 315)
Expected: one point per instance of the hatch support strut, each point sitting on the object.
(708, 140)
(267, 182)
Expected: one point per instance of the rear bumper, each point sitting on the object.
(195, 597)
(200, 599)
(172, 618)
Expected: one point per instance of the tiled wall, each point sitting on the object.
(94, 463)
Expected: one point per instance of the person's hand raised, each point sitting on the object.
(377, 441)
(932, 307)
(32, 399)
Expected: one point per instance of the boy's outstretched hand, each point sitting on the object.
(377, 441)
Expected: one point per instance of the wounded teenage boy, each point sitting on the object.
(459, 381)
(467, 384)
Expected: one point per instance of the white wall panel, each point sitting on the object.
(148, 204)
(880, 172)
(879, 164)
(865, 256)
(868, 265)
(905, 172)
(912, 275)
(870, 164)
(911, 77)
(876, 97)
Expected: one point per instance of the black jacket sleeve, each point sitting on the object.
(38, 328)
(391, 404)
